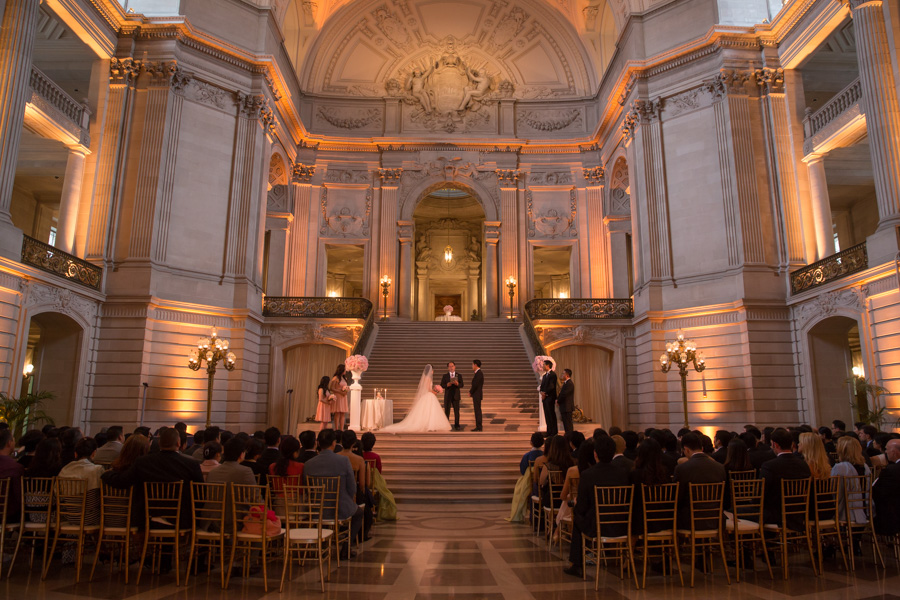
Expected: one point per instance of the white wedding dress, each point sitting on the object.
(425, 414)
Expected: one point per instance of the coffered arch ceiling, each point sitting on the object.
(531, 49)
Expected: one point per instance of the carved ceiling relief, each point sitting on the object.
(551, 214)
(346, 212)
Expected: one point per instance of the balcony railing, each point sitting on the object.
(580, 308)
(44, 87)
(846, 262)
(297, 306)
(49, 259)
(831, 110)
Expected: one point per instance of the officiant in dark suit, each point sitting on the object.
(566, 400)
(548, 397)
(451, 382)
(475, 392)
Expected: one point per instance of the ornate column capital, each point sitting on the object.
(595, 175)
(730, 81)
(405, 232)
(124, 71)
(508, 177)
(301, 173)
(255, 106)
(390, 177)
(642, 112)
(491, 232)
(770, 81)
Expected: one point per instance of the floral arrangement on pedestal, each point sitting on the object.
(538, 364)
(448, 310)
(357, 363)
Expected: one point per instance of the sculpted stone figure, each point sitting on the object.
(424, 250)
(482, 83)
(416, 87)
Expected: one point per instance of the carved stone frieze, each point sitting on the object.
(684, 102)
(826, 305)
(350, 118)
(551, 223)
(550, 120)
(583, 334)
(348, 176)
(345, 221)
(39, 295)
(550, 178)
(206, 93)
(312, 333)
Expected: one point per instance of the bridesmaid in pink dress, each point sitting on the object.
(338, 387)
(326, 400)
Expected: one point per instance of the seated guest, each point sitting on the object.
(850, 463)
(83, 468)
(198, 443)
(329, 464)
(721, 446)
(574, 439)
(253, 449)
(669, 444)
(631, 443)
(886, 493)
(867, 435)
(29, 443)
(106, 454)
(308, 445)
(135, 446)
(785, 465)
(649, 470)
(759, 452)
(212, 456)
(47, 459)
(11, 470)
(558, 460)
(737, 456)
(231, 471)
(287, 464)
(619, 459)
(880, 444)
(838, 427)
(583, 461)
(271, 453)
(537, 449)
(352, 450)
(827, 439)
(68, 439)
(602, 474)
(700, 467)
(368, 443)
(812, 450)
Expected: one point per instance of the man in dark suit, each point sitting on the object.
(451, 382)
(699, 468)
(566, 400)
(12, 470)
(759, 453)
(886, 493)
(307, 445)
(548, 398)
(721, 443)
(475, 392)
(602, 474)
(271, 454)
(785, 465)
(867, 439)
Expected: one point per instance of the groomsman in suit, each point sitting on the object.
(548, 398)
(475, 392)
(451, 382)
(566, 400)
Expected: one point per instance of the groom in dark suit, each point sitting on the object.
(548, 398)
(451, 382)
(475, 392)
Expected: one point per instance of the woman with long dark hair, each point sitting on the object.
(558, 459)
(338, 387)
(737, 456)
(47, 460)
(326, 401)
(649, 470)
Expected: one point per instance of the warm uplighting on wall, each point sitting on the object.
(332, 294)
(563, 295)
(385, 290)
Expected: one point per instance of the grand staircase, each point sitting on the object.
(457, 466)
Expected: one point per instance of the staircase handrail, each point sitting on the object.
(366, 332)
(536, 346)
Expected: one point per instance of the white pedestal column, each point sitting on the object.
(68, 203)
(355, 402)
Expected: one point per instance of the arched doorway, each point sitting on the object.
(449, 225)
(54, 349)
(834, 349)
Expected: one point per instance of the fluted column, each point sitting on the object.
(390, 186)
(509, 218)
(821, 206)
(882, 112)
(68, 203)
(422, 291)
(298, 256)
(17, 30)
(491, 275)
(405, 277)
(279, 227)
(598, 264)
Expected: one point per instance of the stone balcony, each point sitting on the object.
(839, 123)
(54, 114)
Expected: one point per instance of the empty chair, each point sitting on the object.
(35, 525)
(794, 525)
(704, 532)
(341, 527)
(305, 532)
(208, 526)
(115, 526)
(253, 530)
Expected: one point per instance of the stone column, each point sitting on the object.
(279, 227)
(821, 206)
(405, 277)
(597, 263)
(473, 294)
(17, 30)
(387, 263)
(298, 256)
(68, 203)
(509, 219)
(618, 250)
(422, 295)
(491, 273)
(882, 113)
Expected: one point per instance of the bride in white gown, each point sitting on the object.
(425, 414)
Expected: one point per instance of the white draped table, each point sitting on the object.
(377, 413)
(448, 318)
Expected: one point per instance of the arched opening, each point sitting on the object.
(449, 225)
(834, 348)
(591, 371)
(304, 367)
(617, 213)
(54, 349)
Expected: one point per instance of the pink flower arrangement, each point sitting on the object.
(448, 309)
(538, 364)
(438, 389)
(357, 362)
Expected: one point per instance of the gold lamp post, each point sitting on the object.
(213, 350)
(683, 353)
(511, 284)
(385, 287)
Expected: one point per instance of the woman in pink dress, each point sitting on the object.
(338, 387)
(326, 400)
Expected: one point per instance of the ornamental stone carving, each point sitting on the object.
(594, 175)
(208, 94)
(124, 70)
(550, 223)
(345, 220)
(551, 178)
(550, 120)
(311, 334)
(830, 303)
(390, 177)
(301, 173)
(770, 81)
(347, 176)
(508, 177)
(61, 300)
(351, 118)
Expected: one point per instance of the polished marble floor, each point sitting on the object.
(462, 552)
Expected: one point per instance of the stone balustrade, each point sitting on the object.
(845, 100)
(580, 308)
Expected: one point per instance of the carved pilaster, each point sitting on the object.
(123, 71)
(255, 106)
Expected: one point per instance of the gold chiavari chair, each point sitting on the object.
(705, 531)
(275, 491)
(660, 503)
(825, 522)
(742, 475)
(341, 527)
(566, 526)
(794, 520)
(745, 520)
(5, 527)
(71, 519)
(370, 484)
(115, 527)
(555, 482)
(612, 510)
(250, 504)
(305, 534)
(537, 515)
(35, 524)
(162, 524)
(857, 515)
(208, 527)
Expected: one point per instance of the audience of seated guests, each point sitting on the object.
(252, 451)
(197, 443)
(827, 439)
(886, 491)
(737, 456)
(879, 443)
(84, 468)
(813, 451)
(212, 456)
(785, 465)
(368, 443)
(619, 458)
(329, 464)
(12, 470)
(574, 439)
(867, 435)
(699, 467)
(720, 442)
(29, 442)
(271, 453)
(559, 460)
(759, 452)
(602, 474)
(308, 445)
(107, 453)
(352, 449)
(583, 461)
(537, 450)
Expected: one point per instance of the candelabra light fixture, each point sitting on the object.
(385, 287)
(511, 284)
(213, 350)
(683, 353)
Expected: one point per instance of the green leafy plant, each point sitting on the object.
(27, 409)
(865, 389)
